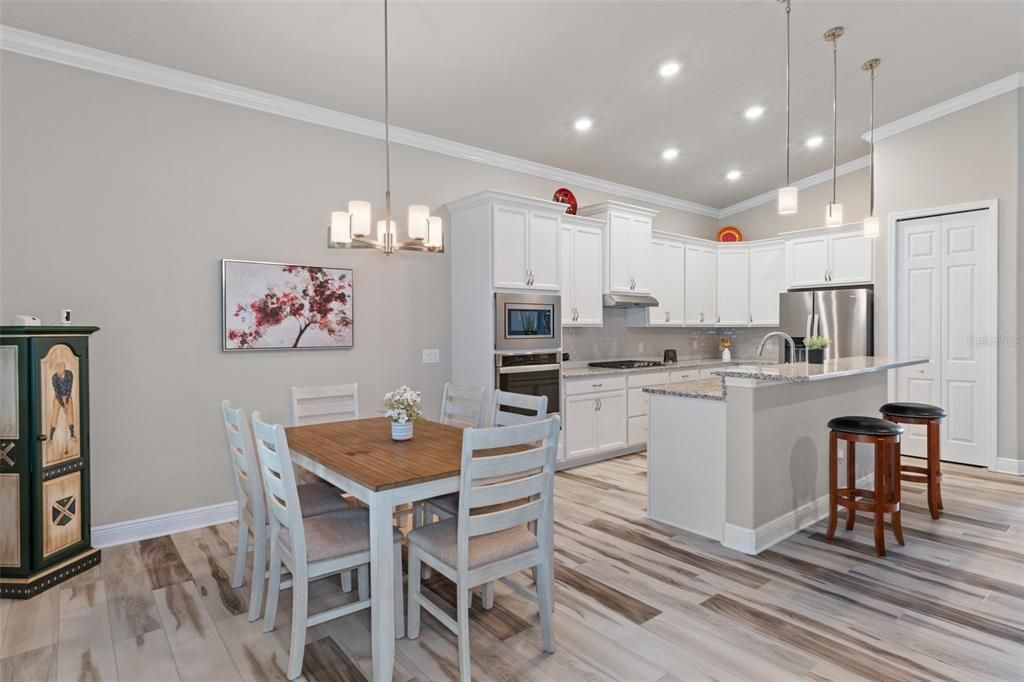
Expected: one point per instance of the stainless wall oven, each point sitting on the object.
(527, 322)
(531, 374)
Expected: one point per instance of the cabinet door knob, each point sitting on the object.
(718, 319)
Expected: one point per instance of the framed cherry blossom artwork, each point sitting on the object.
(277, 306)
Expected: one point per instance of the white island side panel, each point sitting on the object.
(686, 458)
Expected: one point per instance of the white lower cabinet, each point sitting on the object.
(595, 416)
(637, 401)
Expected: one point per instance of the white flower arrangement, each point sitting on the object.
(403, 405)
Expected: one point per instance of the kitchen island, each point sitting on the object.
(743, 458)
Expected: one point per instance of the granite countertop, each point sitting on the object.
(586, 371)
(707, 389)
(801, 371)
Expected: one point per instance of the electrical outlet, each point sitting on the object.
(641, 346)
(431, 356)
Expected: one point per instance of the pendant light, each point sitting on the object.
(871, 229)
(351, 229)
(834, 210)
(788, 199)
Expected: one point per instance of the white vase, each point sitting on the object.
(401, 431)
(726, 354)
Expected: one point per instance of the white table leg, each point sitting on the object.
(382, 598)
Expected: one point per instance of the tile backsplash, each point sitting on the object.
(616, 341)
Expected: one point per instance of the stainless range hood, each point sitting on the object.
(629, 301)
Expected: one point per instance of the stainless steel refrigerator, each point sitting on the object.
(846, 316)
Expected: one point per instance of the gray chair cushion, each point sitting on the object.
(336, 534)
(913, 410)
(447, 503)
(865, 426)
(320, 498)
(439, 540)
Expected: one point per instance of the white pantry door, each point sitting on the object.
(944, 312)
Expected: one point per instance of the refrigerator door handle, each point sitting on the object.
(808, 325)
(817, 325)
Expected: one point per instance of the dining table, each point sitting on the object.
(359, 457)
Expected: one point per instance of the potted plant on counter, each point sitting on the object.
(402, 407)
(816, 346)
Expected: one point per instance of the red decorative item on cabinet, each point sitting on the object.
(564, 195)
(730, 233)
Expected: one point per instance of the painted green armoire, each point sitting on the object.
(44, 458)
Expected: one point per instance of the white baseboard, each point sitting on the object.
(1005, 465)
(756, 540)
(163, 524)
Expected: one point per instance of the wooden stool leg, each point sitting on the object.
(880, 496)
(897, 516)
(934, 498)
(833, 484)
(851, 480)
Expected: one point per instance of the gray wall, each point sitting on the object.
(971, 155)
(120, 199)
(764, 221)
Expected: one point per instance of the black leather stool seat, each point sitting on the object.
(913, 410)
(865, 426)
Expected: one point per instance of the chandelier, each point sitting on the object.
(351, 229)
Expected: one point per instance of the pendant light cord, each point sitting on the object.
(871, 157)
(787, 90)
(835, 110)
(387, 141)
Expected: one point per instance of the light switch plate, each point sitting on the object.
(431, 356)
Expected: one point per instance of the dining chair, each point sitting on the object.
(504, 525)
(462, 406)
(312, 547)
(528, 408)
(314, 499)
(320, 404)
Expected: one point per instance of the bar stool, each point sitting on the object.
(930, 416)
(885, 436)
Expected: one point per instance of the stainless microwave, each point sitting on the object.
(527, 322)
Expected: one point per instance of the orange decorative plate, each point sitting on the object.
(730, 233)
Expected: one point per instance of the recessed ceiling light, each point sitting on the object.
(733, 175)
(815, 141)
(754, 112)
(583, 124)
(670, 154)
(669, 69)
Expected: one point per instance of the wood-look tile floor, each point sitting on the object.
(635, 601)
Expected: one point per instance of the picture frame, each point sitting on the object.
(285, 306)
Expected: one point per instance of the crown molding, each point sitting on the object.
(809, 181)
(110, 64)
(967, 99)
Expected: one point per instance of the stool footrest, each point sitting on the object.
(847, 498)
(913, 468)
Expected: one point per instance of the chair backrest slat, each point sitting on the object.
(516, 408)
(524, 487)
(279, 481)
(320, 404)
(248, 483)
(462, 406)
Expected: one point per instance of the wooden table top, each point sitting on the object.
(362, 450)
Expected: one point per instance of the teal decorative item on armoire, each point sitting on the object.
(44, 458)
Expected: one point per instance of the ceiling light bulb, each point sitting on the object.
(788, 200)
(833, 215)
(670, 154)
(871, 227)
(669, 69)
(733, 175)
(583, 124)
(754, 112)
(815, 141)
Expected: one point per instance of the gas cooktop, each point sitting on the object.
(626, 364)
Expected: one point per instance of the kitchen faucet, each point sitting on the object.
(788, 339)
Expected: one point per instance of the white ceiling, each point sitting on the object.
(512, 76)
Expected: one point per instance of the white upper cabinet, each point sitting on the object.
(851, 258)
(627, 245)
(525, 248)
(767, 281)
(733, 293)
(582, 244)
(830, 259)
(699, 288)
(666, 278)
